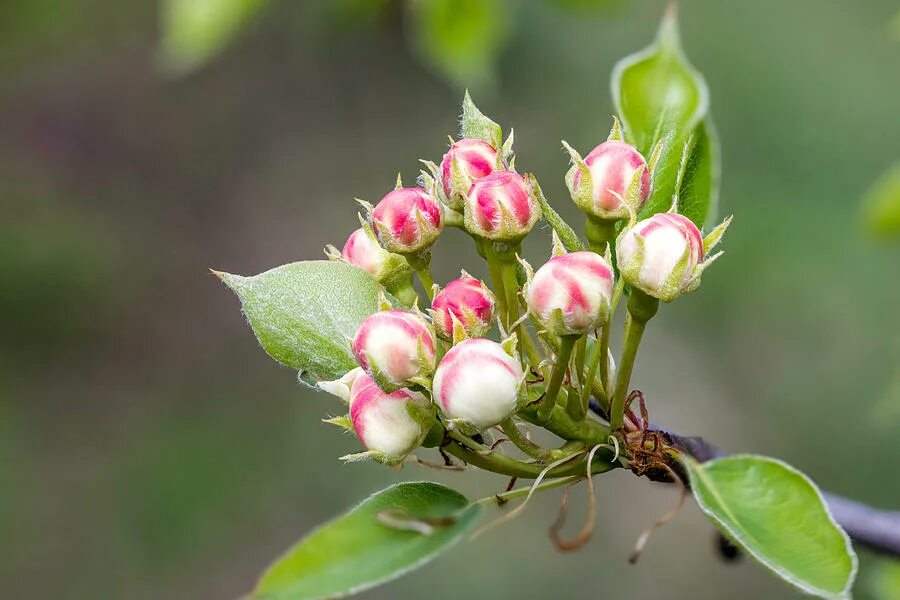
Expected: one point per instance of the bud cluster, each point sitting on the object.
(435, 377)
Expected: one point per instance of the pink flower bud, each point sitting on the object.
(465, 301)
(363, 250)
(661, 255)
(407, 220)
(389, 424)
(501, 207)
(395, 347)
(571, 293)
(612, 166)
(478, 382)
(474, 159)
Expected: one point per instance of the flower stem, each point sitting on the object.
(641, 309)
(523, 443)
(503, 497)
(545, 408)
(588, 384)
(420, 264)
(600, 232)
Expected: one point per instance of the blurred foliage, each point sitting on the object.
(881, 206)
(462, 38)
(884, 582)
(196, 30)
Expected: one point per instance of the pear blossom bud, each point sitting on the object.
(662, 255)
(363, 250)
(407, 220)
(571, 293)
(395, 348)
(466, 160)
(478, 382)
(612, 166)
(501, 207)
(390, 425)
(465, 304)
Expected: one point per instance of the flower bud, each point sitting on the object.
(478, 382)
(663, 256)
(407, 220)
(612, 167)
(464, 307)
(341, 387)
(363, 250)
(395, 348)
(571, 293)
(466, 160)
(501, 207)
(390, 425)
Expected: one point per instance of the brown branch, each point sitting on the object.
(874, 528)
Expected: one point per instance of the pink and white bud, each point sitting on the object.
(662, 255)
(501, 207)
(363, 250)
(390, 425)
(571, 293)
(478, 382)
(466, 160)
(465, 305)
(395, 348)
(407, 220)
(612, 166)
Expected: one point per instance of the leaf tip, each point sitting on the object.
(668, 36)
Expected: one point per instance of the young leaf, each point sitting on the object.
(194, 31)
(777, 515)
(392, 532)
(302, 313)
(660, 96)
(881, 207)
(698, 194)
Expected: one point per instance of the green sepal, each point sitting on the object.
(342, 421)
(558, 248)
(714, 236)
(615, 134)
(506, 153)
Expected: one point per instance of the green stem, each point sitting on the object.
(603, 358)
(511, 286)
(589, 431)
(592, 373)
(420, 264)
(427, 281)
(545, 408)
(641, 309)
(600, 232)
(523, 443)
(495, 270)
(576, 408)
(503, 497)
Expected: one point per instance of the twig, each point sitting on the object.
(875, 528)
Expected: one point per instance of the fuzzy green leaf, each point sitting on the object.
(698, 192)
(302, 313)
(881, 207)
(392, 532)
(660, 96)
(194, 31)
(778, 516)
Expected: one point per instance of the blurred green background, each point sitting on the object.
(149, 449)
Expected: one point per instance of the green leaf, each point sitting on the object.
(660, 96)
(461, 39)
(304, 312)
(194, 31)
(698, 193)
(379, 540)
(881, 207)
(778, 516)
(884, 580)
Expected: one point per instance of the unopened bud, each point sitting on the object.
(478, 382)
(611, 168)
(464, 308)
(664, 255)
(501, 207)
(407, 220)
(396, 348)
(466, 161)
(571, 293)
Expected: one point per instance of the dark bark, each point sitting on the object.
(874, 528)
